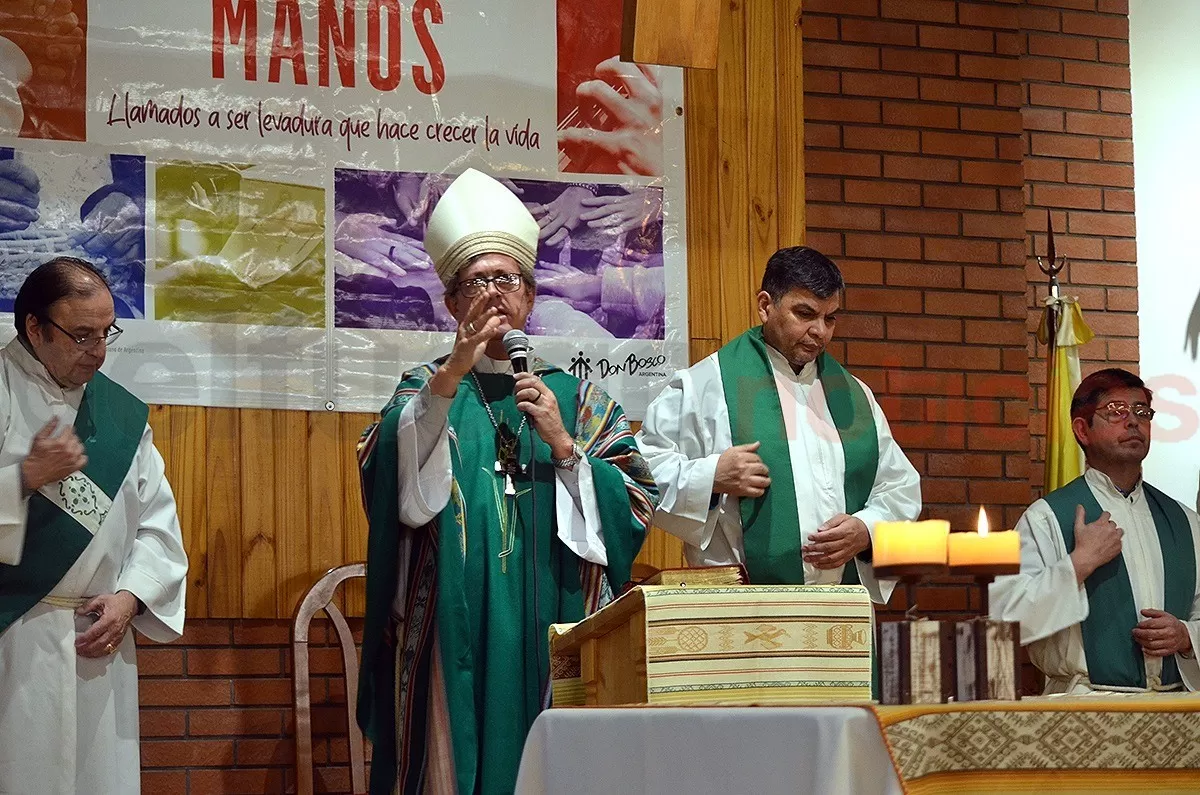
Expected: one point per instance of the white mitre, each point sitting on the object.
(478, 215)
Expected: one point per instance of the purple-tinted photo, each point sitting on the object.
(600, 257)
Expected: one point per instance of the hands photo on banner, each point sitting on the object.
(42, 55)
(624, 125)
(38, 217)
(586, 231)
(610, 113)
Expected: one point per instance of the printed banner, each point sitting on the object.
(255, 178)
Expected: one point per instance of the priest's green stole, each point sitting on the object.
(771, 523)
(110, 424)
(1113, 657)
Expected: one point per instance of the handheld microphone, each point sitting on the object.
(516, 344)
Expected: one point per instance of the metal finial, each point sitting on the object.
(1052, 265)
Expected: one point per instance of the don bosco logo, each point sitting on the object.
(583, 367)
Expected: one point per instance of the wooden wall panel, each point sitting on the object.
(733, 163)
(258, 443)
(699, 348)
(325, 487)
(294, 572)
(661, 550)
(703, 213)
(789, 148)
(224, 513)
(189, 480)
(269, 500)
(675, 32)
(354, 519)
(762, 177)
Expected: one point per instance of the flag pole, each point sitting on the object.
(1051, 266)
(1057, 470)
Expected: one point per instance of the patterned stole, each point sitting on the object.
(64, 516)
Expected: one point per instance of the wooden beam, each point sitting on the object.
(789, 92)
(671, 32)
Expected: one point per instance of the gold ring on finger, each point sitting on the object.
(109, 649)
(470, 328)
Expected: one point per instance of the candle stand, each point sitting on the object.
(910, 575)
(984, 574)
(987, 652)
(924, 661)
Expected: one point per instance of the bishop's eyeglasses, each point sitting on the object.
(505, 283)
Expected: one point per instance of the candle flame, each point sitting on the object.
(983, 522)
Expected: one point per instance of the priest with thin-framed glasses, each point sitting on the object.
(90, 545)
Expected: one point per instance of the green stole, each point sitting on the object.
(771, 523)
(110, 423)
(1113, 657)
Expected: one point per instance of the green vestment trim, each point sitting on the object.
(1113, 657)
(110, 424)
(770, 523)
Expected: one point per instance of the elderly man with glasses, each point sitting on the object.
(499, 502)
(89, 543)
(1107, 595)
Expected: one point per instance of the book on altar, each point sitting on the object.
(699, 576)
(718, 645)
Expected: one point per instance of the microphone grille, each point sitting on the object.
(516, 342)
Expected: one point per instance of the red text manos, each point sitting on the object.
(340, 24)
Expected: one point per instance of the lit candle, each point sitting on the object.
(982, 553)
(909, 548)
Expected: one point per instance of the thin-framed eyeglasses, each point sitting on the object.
(108, 337)
(1118, 411)
(505, 283)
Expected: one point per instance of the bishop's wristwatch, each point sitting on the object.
(570, 461)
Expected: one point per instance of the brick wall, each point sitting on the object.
(1078, 133)
(216, 709)
(938, 132)
(914, 150)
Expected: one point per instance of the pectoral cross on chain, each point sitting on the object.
(506, 459)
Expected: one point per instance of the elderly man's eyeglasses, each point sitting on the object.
(1117, 411)
(505, 283)
(108, 337)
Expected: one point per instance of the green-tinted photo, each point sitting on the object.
(235, 244)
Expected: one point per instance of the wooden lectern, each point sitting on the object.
(719, 645)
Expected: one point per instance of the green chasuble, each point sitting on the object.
(1113, 657)
(468, 669)
(770, 523)
(110, 423)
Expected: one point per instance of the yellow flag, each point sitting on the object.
(1064, 458)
